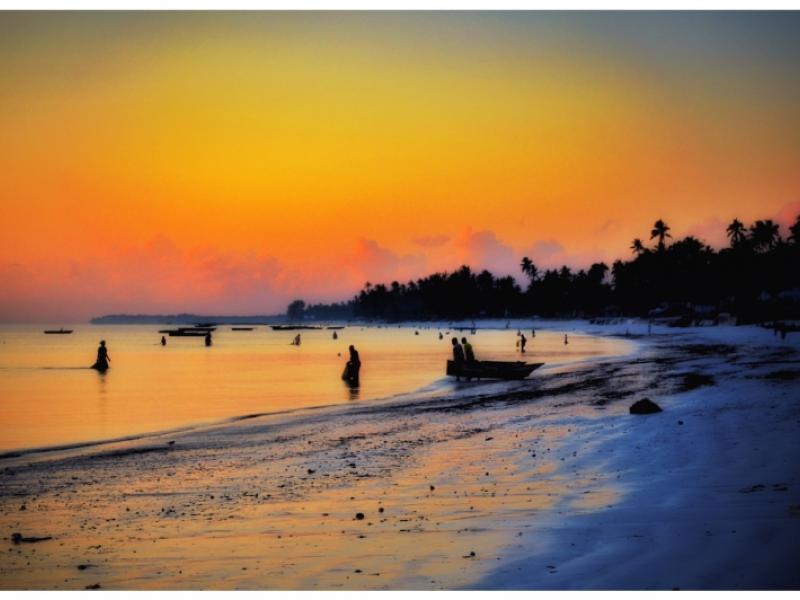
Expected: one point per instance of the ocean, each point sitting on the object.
(50, 397)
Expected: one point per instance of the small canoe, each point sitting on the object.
(241, 329)
(335, 327)
(292, 327)
(58, 331)
(184, 332)
(492, 369)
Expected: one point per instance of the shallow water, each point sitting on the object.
(49, 396)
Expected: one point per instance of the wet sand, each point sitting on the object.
(544, 484)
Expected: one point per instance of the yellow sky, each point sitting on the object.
(202, 147)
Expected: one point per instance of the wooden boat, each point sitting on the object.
(61, 331)
(241, 329)
(187, 332)
(292, 327)
(335, 327)
(492, 369)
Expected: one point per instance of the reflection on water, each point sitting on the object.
(49, 396)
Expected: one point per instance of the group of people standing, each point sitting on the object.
(462, 352)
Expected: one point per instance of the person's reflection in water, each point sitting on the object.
(101, 364)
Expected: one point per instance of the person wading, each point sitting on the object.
(101, 364)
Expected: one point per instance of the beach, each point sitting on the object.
(547, 483)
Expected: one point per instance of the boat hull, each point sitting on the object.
(492, 369)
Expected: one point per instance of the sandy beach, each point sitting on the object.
(548, 483)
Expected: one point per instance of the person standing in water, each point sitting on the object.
(296, 340)
(208, 338)
(566, 339)
(335, 335)
(163, 341)
(522, 341)
(353, 367)
(469, 355)
(101, 364)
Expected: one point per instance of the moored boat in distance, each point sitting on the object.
(241, 329)
(58, 331)
(188, 331)
(492, 369)
(293, 327)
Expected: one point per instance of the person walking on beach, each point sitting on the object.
(353, 367)
(163, 341)
(208, 338)
(101, 364)
(469, 355)
(522, 341)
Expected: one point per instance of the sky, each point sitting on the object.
(227, 163)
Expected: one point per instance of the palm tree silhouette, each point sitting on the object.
(660, 230)
(765, 234)
(637, 247)
(736, 232)
(529, 268)
(795, 231)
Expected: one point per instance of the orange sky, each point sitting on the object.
(227, 163)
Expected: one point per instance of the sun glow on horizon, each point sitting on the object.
(224, 162)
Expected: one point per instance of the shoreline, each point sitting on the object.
(515, 476)
(45, 452)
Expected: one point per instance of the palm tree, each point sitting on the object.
(637, 247)
(660, 230)
(765, 234)
(529, 268)
(736, 232)
(795, 232)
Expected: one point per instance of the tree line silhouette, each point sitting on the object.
(756, 278)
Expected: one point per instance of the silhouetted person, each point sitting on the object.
(458, 357)
(353, 367)
(163, 341)
(101, 364)
(441, 337)
(296, 340)
(566, 339)
(522, 341)
(469, 355)
(208, 338)
(335, 335)
(458, 353)
(533, 332)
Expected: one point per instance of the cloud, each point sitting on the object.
(787, 215)
(483, 250)
(549, 254)
(154, 277)
(372, 262)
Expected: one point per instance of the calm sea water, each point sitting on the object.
(49, 396)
